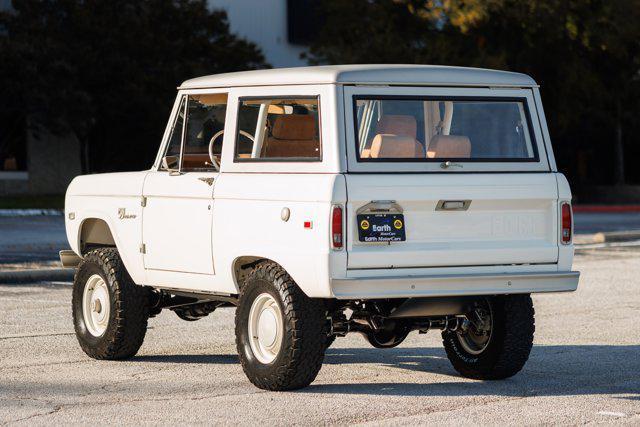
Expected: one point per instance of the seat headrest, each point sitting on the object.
(401, 125)
(449, 147)
(392, 146)
(294, 127)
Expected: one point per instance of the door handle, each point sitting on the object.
(453, 205)
(208, 181)
(448, 164)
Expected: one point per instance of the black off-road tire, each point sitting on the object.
(330, 340)
(305, 334)
(129, 307)
(509, 346)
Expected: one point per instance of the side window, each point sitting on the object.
(171, 157)
(204, 133)
(278, 129)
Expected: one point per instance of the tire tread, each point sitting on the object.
(128, 328)
(516, 341)
(306, 321)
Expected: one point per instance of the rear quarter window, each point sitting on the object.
(278, 129)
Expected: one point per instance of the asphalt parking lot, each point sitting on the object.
(584, 368)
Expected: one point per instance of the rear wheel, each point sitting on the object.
(110, 312)
(496, 340)
(280, 332)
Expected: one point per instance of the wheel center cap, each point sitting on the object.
(267, 328)
(96, 306)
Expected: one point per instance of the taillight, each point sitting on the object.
(336, 227)
(567, 220)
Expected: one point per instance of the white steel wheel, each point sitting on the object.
(96, 305)
(475, 340)
(266, 328)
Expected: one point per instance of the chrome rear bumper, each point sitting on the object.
(452, 285)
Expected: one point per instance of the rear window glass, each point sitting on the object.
(437, 129)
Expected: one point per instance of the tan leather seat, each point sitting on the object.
(393, 146)
(449, 147)
(401, 125)
(293, 135)
(392, 124)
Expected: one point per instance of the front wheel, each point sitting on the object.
(495, 342)
(280, 332)
(110, 312)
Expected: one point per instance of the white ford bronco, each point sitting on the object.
(326, 200)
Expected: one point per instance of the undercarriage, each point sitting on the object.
(385, 323)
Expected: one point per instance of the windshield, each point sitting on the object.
(415, 129)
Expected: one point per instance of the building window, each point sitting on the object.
(13, 143)
(304, 21)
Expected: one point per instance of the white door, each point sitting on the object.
(177, 222)
(177, 217)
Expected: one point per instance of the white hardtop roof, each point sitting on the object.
(410, 75)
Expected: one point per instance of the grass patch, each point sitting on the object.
(32, 202)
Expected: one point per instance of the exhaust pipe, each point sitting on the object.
(430, 307)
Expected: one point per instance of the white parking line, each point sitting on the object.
(613, 414)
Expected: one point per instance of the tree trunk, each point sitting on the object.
(618, 167)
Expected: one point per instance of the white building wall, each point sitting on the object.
(263, 22)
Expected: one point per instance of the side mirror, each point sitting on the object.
(170, 163)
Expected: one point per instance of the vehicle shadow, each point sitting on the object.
(555, 370)
(214, 359)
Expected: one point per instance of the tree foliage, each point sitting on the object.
(584, 53)
(107, 70)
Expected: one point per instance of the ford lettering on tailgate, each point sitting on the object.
(381, 228)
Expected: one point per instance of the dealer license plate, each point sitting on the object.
(381, 228)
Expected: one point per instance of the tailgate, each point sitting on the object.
(507, 218)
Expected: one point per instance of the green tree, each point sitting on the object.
(106, 71)
(584, 53)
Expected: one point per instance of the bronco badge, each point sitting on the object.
(122, 214)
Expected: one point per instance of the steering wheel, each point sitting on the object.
(214, 162)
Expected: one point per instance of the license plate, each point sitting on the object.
(381, 228)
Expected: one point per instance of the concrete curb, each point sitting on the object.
(31, 212)
(607, 237)
(37, 275)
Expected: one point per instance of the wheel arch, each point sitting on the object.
(306, 275)
(94, 232)
(242, 264)
(240, 267)
(96, 229)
